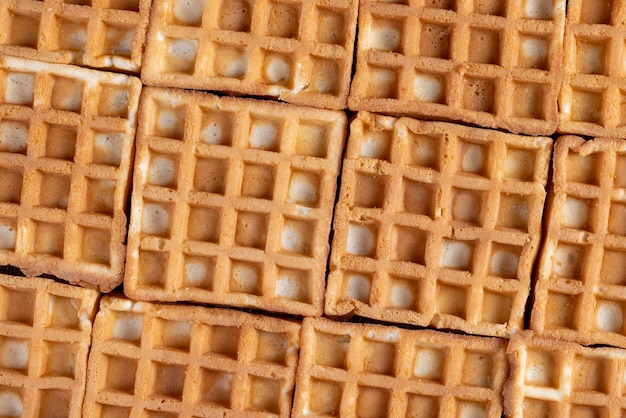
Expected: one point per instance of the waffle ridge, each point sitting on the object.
(66, 146)
(106, 34)
(45, 335)
(580, 285)
(252, 184)
(554, 378)
(593, 87)
(186, 361)
(350, 370)
(437, 224)
(495, 64)
(297, 51)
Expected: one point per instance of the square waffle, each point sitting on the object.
(93, 33)
(359, 370)
(153, 360)
(593, 93)
(299, 51)
(580, 291)
(66, 146)
(550, 378)
(437, 224)
(45, 335)
(232, 201)
(491, 63)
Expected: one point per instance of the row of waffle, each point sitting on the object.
(494, 63)
(65, 353)
(233, 202)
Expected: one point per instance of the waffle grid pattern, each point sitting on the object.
(352, 370)
(66, 143)
(428, 209)
(576, 298)
(494, 64)
(551, 378)
(252, 185)
(94, 33)
(594, 88)
(152, 360)
(297, 51)
(45, 334)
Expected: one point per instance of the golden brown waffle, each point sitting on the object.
(359, 370)
(232, 201)
(158, 360)
(556, 379)
(66, 145)
(45, 335)
(491, 63)
(437, 224)
(299, 51)
(94, 33)
(593, 93)
(580, 293)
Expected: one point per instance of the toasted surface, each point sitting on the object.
(581, 278)
(298, 51)
(365, 370)
(66, 146)
(184, 361)
(45, 335)
(496, 64)
(99, 34)
(437, 224)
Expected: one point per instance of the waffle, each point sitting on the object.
(251, 185)
(580, 292)
(94, 33)
(45, 334)
(555, 379)
(593, 92)
(437, 224)
(352, 370)
(491, 63)
(66, 145)
(299, 51)
(154, 360)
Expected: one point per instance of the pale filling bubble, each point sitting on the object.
(402, 297)
(373, 148)
(358, 288)
(128, 328)
(302, 191)
(428, 88)
(162, 171)
(455, 254)
(538, 9)
(277, 71)
(292, 239)
(19, 89)
(264, 136)
(15, 354)
(536, 373)
(110, 144)
(8, 236)
(428, 365)
(195, 273)
(575, 212)
(504, 263)
(183, 49)
(473, 159)
(167, 121)
(385, 38)
(156, 219)
(212, 133)
(189, 11)
(13, 136)
(246, 277)
(469, 410)
(609, 317)
(360, 240)
(535, 49)
(10, 405)
(233, 63)
(288, 288)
